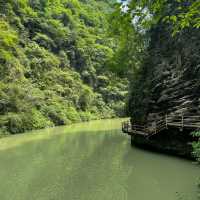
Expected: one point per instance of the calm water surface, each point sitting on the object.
(90, 161)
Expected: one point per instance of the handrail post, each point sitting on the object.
(129, 125)
(166, 121)
(182, 121)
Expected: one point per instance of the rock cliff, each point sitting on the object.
(168, 82)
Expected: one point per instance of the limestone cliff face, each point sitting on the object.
(169, 80)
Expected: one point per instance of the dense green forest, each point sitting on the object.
(54, 58)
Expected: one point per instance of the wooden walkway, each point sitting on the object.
(180, 121)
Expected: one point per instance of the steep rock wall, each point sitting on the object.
(167, 83)
(169, 80)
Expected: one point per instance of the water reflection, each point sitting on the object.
(90, 161)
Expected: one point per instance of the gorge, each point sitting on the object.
(71, 71)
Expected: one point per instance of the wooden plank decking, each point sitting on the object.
(180, 121)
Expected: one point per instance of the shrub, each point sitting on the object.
(119, 108)
(13, 123)
(72, 114)
(196, 146)
(86, 98)
(85, 116)
(56, 114)
(21, 122)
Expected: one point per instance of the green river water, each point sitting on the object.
(90, 161)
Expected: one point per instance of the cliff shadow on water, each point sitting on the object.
(171, 141)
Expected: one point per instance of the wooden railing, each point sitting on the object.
(180, 121)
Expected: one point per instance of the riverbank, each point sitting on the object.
(4, 133)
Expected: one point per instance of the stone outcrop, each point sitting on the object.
(168, 83)
(169, 141)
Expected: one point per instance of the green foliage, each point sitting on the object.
(60, 114)
(132, 43)
(147, 31)
(20, 122)
(187, 15)
(8, 37)
(180, 13)
(54, 58)
(196, 146)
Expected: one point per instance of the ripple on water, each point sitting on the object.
(90, 161)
